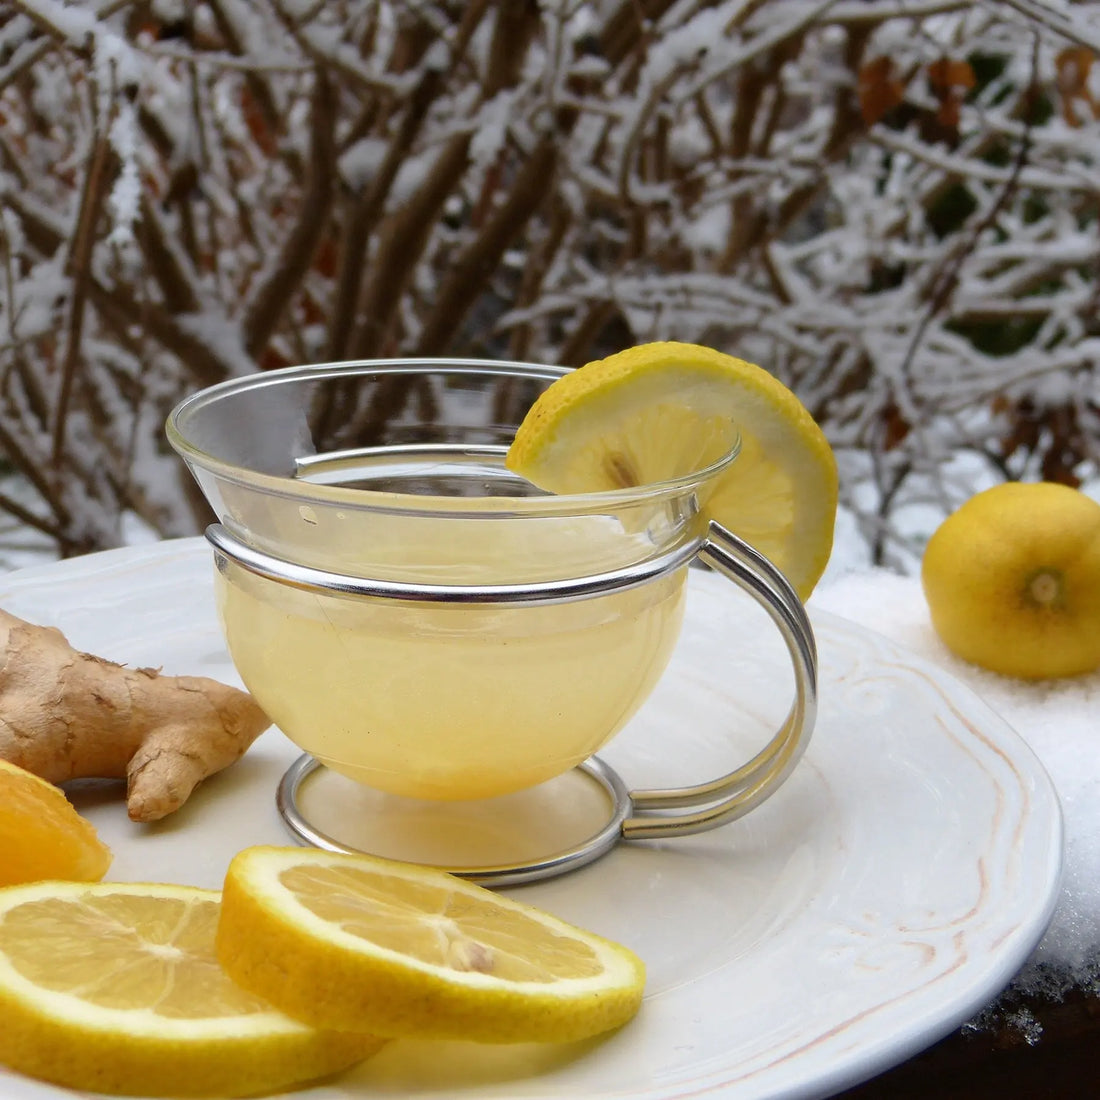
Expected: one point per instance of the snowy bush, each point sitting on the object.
(891, 204)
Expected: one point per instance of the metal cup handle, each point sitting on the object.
(733, 795)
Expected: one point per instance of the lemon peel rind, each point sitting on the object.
(331, 979)
(56, 1037)
(708, 364)
(169, 1066)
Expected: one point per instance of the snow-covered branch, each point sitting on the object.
(891, 205)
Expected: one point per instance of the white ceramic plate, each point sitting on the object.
(889, 890)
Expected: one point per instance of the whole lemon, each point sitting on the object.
(1012, 580)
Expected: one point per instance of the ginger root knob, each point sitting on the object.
(71, 715)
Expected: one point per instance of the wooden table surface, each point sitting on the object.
(1000, 1064)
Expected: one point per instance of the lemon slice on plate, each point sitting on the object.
(398, 949)
(114, 987)
(41, 834)
(660, 411)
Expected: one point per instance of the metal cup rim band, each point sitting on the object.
(326, 582)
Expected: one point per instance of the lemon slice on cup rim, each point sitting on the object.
(115, 988)
(659, 411)
(356, 942)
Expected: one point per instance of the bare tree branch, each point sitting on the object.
(95, 188)
(267, 304)
(401, 242)
(472, 269)
(364, 214)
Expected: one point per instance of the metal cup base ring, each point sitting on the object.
(606, 780)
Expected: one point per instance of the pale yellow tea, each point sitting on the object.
(453, 701)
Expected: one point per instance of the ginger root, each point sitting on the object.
(71, 715)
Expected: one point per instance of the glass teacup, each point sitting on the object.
(420, 619)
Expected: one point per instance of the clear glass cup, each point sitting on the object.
(417, 617)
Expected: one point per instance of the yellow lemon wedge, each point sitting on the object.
(115, 988)
(356, 942)
(1012, 580)
(660, 411)
(41, 834)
